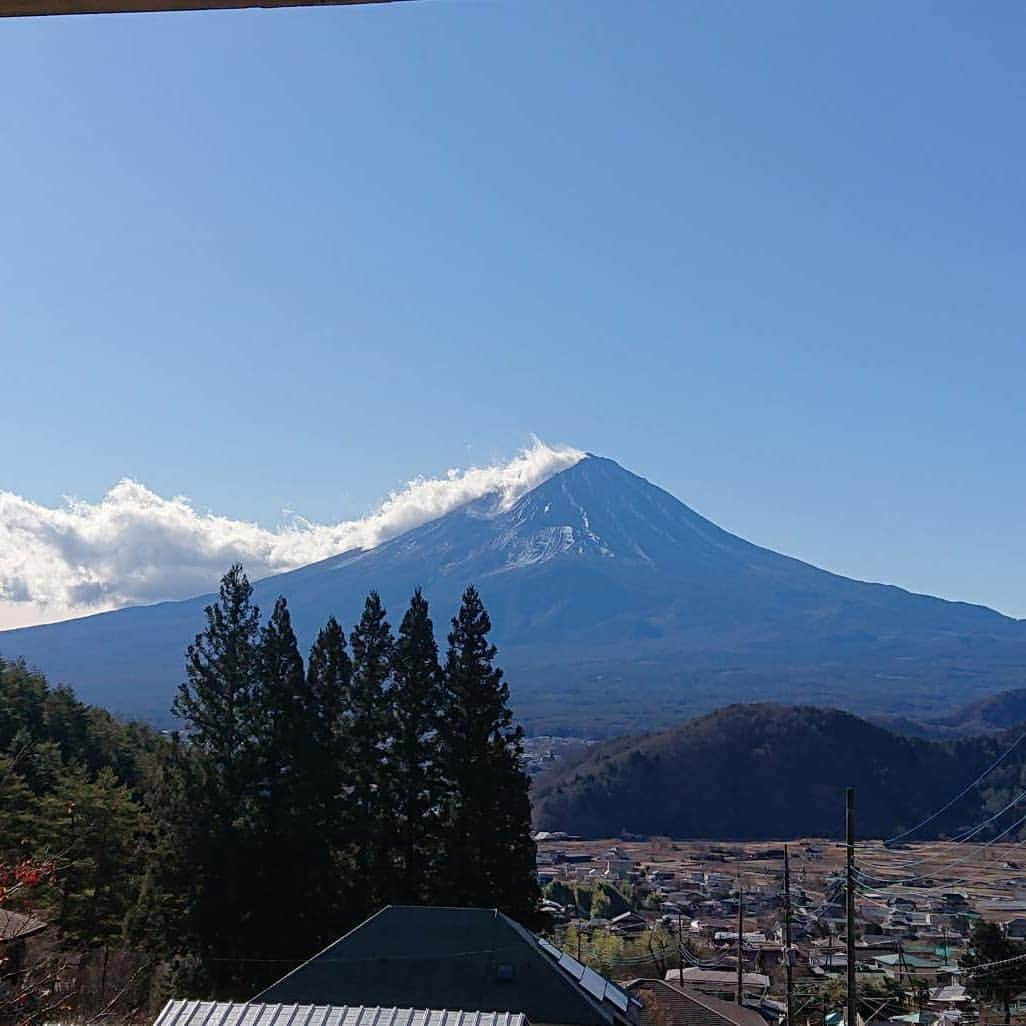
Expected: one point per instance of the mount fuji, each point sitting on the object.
(616, 607)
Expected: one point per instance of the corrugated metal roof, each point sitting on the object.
(228, 1013)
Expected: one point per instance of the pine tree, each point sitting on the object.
(96, 827)
(329, 677)
(365, 736)
(416, 706)
(490, 859)
(210, 850)
(295, 873)
(221, 668)
(281, 707)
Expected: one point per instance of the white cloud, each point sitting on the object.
(134, 546)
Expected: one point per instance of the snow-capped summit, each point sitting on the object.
(614, 604)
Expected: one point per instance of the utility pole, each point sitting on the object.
(680, 948)
(787, 935)
(849, 830)
(740, 942)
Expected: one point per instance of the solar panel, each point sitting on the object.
(570, 965)
(594, 984)
(616, 997)
(549, 949)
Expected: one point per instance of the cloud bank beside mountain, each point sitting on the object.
(134, 546)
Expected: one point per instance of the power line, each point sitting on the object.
(944, 808)
(944, 867)
(966, 834)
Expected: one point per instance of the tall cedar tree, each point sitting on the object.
(211, 843)
(416, 704)
(329, 674)
(329, 677)
(490, 852)
(295, 872)
(215, 700)
(365, 738)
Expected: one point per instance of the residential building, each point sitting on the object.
(469, 959)
(669, 1005)
(719, 984)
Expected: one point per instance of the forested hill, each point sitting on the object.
(773, 771)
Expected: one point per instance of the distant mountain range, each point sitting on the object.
(766, 771)
(985, 716)
(616, 608)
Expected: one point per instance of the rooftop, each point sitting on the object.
(227, 1013)
(669, 1005)
(468, 958)
(16, 925)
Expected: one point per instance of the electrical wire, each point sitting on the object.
(967, 834)
(944, 808)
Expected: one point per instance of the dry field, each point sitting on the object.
(990, 876)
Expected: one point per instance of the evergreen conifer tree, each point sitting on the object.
(210, 848)
(329, 679)
(215, 700)
(295, 871)
(415, 772)
(490, 857)
(365, 735)
(281, 708)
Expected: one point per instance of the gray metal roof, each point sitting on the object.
(418, 956)
(229, 1013)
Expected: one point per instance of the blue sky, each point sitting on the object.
(768, 256)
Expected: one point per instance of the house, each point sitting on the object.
(618, 865)
(899, 965)
(953, 996)
(1015, 929)
(628, 923)
(214, 1013)
(669, 1005)
(469, 959)
(718, 885)
(829, 960)
(16, 930)
(720, 984)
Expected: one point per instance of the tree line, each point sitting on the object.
(303, 797)
(298, 797)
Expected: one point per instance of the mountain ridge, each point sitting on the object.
(768, 771)
(613, 603)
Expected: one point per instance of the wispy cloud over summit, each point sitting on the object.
(134, 546)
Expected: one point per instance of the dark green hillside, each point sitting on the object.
(769, 771)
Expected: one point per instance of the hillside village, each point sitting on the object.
(644, 933)
(675, 905)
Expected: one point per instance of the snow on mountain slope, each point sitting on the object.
(603, 589)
